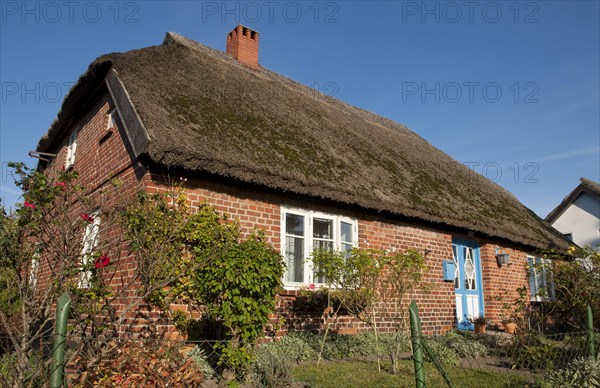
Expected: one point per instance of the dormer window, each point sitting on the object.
(71, 147)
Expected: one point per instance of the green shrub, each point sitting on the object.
(36, 372)
(441, 352)
(7, 362)
(298, 347)
(272, 369)
(198, 355)
(294, 347)
(394, 341)
(580, 341)
(536, 357)
(351, 346)
(454, 345)
(582, 372)
(464, 343)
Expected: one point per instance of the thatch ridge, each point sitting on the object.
(206, 112)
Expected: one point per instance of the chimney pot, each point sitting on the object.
(242, 45)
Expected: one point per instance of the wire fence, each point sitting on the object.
(468, 359)
(519, 359)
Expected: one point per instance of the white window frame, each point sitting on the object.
(539, 280)
(90, 242)
(112, 119)
(33, 273)
(309, 216)
(71, 148)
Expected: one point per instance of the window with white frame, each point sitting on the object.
(112, 119)
(71, 147)
(304, 231)
(90, 241)
(35, 263)
(540, 279)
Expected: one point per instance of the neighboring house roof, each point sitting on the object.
(195, 108)
(587, 186)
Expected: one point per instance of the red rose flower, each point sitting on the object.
(86, 217)
(29, 205)
(102, 261)
(311, 286)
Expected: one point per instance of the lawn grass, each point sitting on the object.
(337, 374)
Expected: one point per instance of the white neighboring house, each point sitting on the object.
(577, 217)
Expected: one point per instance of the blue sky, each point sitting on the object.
(509, 88)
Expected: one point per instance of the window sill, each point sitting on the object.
(302, 286)
(541, 300)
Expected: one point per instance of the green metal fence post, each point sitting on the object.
(590, 332)
(57, 379)
(415, 334)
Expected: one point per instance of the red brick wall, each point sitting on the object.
(501, 282)
(252, 209)
(436, 305)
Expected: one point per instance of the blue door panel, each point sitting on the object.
(467, 284)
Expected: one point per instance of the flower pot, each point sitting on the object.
(480, 328)
(510, 327)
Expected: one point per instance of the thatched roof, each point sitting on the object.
(205, 112)
(587, 186)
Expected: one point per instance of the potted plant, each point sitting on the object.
(510, 326)
(508, 318)
(480, 324)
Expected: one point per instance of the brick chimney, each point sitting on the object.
(242, 45)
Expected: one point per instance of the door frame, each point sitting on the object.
(478, 279)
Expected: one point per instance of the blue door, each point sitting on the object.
(467, 283)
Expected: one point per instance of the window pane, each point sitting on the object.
(456, 273)
(323, 245)
(323, 228)
(469, 269)
(294, 259)
(539, 278)
(294, 224)
(347, 250)
(346, 232)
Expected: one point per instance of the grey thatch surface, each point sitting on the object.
(205, 112)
